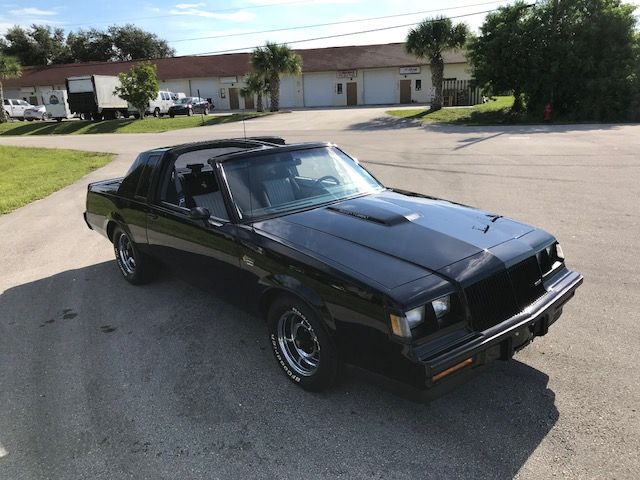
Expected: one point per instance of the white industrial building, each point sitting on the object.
(331, 77)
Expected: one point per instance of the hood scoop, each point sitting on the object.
(368, 211)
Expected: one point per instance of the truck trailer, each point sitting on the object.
(92, 96)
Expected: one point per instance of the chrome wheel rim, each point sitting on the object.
(125, 252)
(298, 343)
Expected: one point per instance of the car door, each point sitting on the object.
(21, 107)
(205, 251)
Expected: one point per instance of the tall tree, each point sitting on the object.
(502, 53)
(90, 45)
(132, 43)
(272, 61)
(37, 45)
(428, 40)
(581, 56)
(9, 68)
(255, 85)
(138, 86)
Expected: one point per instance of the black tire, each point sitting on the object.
(206, 110)
(134, 266)
(317, 367)
(171, 115)
(189, 112)
(156, 112)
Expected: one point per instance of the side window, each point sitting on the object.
(132, 177)
(142, 191)
(192, 183)
(6, 101)
(23, 103)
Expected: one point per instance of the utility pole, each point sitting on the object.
(554, 26)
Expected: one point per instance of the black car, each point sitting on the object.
(189, 106)
(344, 270)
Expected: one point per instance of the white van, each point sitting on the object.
(158, 106)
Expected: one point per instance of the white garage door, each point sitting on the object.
(379, 87)
(318, 89)
(288, 90)
(208, 88)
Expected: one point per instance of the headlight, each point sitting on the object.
(401, 325)
(441, 306)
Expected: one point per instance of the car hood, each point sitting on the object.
(394, 238)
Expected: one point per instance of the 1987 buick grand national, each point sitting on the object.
(416, 289)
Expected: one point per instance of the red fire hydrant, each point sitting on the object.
(548, 112)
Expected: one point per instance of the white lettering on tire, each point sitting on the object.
(274, 343)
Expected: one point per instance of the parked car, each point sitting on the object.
(15, 108)
(421, 290)
(189, 106)
(35, 113)
(156, 107)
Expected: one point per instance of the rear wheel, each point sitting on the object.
(156, 112)
(206, 110)
(135, 267)
(301, 344)
(189, 112)
(171, 115)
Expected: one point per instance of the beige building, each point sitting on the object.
(331, 77)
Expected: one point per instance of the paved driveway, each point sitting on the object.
(100, 379)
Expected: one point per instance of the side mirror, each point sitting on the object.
(199, 213)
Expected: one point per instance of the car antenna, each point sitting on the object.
(244, 127)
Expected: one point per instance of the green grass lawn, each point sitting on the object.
(27, 174)
(495, 111)
(148, 125)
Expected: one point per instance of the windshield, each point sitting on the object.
(283, 182)
(186, 100)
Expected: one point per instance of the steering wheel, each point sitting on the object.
(318, 182)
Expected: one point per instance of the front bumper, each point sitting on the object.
(449, 364)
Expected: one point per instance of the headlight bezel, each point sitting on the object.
(421, 320)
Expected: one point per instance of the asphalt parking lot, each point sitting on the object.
(101, 380)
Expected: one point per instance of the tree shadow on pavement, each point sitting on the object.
(136, 381)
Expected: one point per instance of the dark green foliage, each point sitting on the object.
(582, 57)
(42, 45)
(39, 45)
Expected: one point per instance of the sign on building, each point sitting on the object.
(228, 79)
(346, 73)
(409, 70)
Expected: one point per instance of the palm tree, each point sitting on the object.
(274, 60)
(428, 40)
(9, 68)
(256, 85)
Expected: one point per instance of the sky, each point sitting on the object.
(184, 23)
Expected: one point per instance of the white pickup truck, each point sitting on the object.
(15, 108)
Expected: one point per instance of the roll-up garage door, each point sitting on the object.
(379, 87)
(318, 89)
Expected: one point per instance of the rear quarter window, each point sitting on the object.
(138, 179)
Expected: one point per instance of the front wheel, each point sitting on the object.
(301, 344)
(135, 267)
(156, 112)
(189, 112)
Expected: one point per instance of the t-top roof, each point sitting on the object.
(313, 60)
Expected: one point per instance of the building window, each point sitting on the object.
(339, 88)
(418, 84)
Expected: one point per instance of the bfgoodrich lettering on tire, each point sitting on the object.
(301, 344)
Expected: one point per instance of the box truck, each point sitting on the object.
(91, 96)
